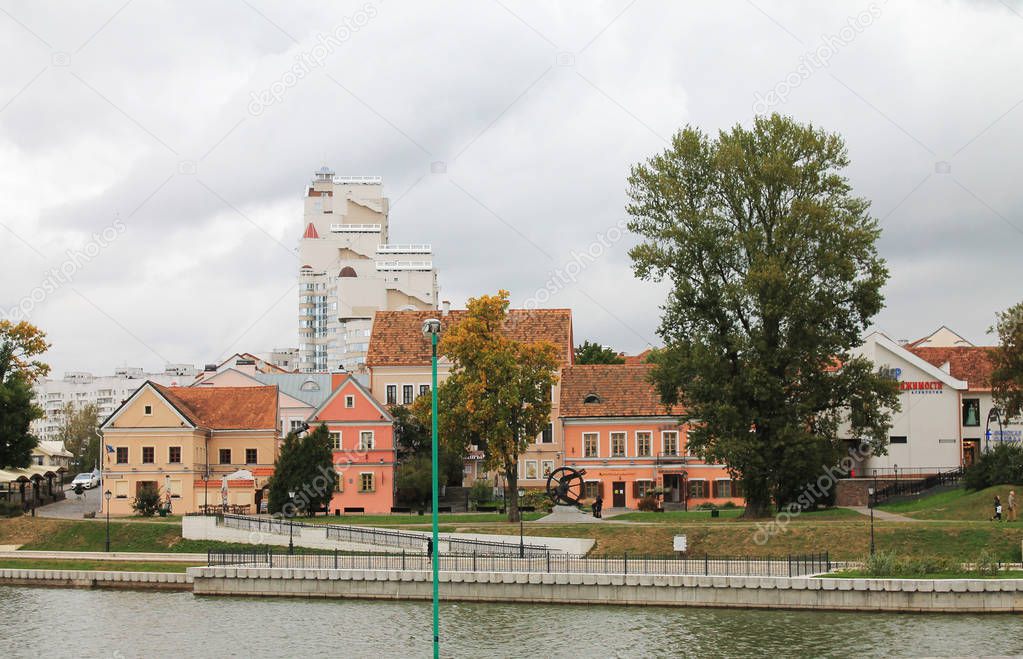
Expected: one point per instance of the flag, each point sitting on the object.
(110, 449)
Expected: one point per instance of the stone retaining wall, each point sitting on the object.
(96, 579)
(955, 595)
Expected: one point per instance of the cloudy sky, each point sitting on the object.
(153, 154)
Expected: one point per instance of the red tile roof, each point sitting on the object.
(972, 363)
(397, 338)
(225, 408)
(622, 390)
(310, 231)
(637, 359)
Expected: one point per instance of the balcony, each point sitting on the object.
(405, 248)
(670, 459)
(355, 228)
(396, 266)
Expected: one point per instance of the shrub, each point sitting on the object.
(706, 505)
(146, 501)
(481, 492)
(9, 509)
(538, 499)
(998, 466)
(648, 504)
(985, 564)
(729, 505)
(882, 564)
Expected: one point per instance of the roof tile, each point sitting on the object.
(622, 389)
(970, 363)
(225, 408)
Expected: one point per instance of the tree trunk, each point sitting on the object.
(511, 492)
(758, 499)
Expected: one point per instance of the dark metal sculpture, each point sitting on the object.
(565, 486)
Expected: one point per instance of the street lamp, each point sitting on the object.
(107, 495)
(522, 546)
(987, 428)
(873, 502)
(431, 329)
(291, 523)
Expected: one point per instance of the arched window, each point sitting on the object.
(592, 398)
(310, 385)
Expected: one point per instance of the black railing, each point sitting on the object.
(380, 537)
(753, 566)
(915, 486)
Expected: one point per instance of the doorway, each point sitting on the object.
(970, 449)
(618, 494)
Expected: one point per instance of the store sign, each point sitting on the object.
(922, 387)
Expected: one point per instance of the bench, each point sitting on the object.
(489, 509)
(527, 509)
(354, 510)
(401, 509)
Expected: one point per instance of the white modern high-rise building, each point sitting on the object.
(350, 270)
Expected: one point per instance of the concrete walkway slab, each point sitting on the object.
(881, 515)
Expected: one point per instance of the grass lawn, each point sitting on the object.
(859, 574)
(956, 504)
(413, 520)
(113, 566)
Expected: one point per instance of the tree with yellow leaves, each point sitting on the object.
(19, 344)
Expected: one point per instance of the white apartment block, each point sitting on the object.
(350, 270)
(105, 391)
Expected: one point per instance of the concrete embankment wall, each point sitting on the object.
(96, 579)
(965, 595)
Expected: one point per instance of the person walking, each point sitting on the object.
(998, 509)
(1013, 511)
(429, 550)
(599, 504)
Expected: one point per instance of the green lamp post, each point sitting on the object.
(431, 328)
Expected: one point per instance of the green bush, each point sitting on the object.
(986, 564)
(538, 499)
(706, 505)
(882, 564)
(9, 509)
(998, 466)
(481, 492)
(648, 504)
(146, 501)
(729, 505)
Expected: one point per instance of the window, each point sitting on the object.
(617, 445)
(530, 470)
(174, 455)
(971, 411)
(148, 410)
(592, 489)
(392, 394)
(643, 444)
(122, 455)
(366, 440)
(296, 425)
(547, 436)
(406, 393)
(339, 486)
(590, 445)
(669, 442)
(643, 488)
(697, 489)
(225, 456)
(898, 439)
(424, 389)
(251, 456)
(335, 441)
(546, 467)
(175, 489)
(366, 483)
(591, 399)
(723, 489)
(148, 455)
(121, 489)
(349, 402)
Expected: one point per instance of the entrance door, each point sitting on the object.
(672, 488)
(618, 494)
(970, 449)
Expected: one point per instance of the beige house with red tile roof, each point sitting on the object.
(399, 363)
(185, 440)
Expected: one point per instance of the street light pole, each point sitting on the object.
(873, 502)
(107, 495)
(291, 523)
(431, 328)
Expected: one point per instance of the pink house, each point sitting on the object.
(362, 432)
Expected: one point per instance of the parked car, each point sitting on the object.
(88, 480)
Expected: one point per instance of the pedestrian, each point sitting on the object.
(429, 549)
(599, 503)
(593, 508)
(1013, 511)
(998, 509)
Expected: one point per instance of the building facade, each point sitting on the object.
(197, 445)
(350, 269)
(365, 455)
(400, 371)
(630, 445)
(106, 392)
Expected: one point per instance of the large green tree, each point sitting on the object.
(499, 388)
(775, 276)
(79, 430)
(20, 343)
(595, 353)
(1007, 359)
(304, 467)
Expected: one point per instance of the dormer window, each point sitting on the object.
(310, 385)
(590, 399)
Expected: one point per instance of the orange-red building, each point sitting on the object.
(365, 456)
(629, 443)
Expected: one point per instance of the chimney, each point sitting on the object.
(445, 307)
(210, 368)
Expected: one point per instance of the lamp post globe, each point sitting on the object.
(431, 330)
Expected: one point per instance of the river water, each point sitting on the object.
(44, 622)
